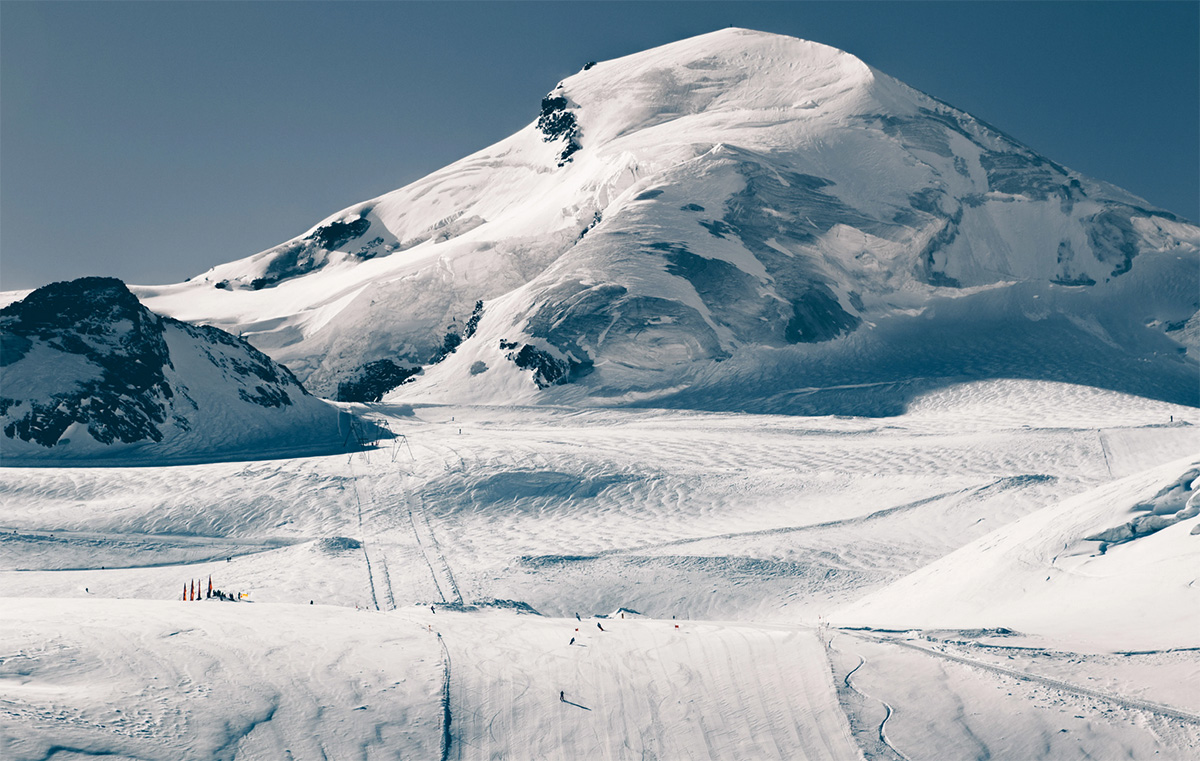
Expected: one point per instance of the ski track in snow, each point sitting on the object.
(1058, 684)
(362, 533)
(639, 685)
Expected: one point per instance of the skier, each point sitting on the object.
(572, 642)
(577, 618)
(431, 610)
(562, 696)
(598, 626)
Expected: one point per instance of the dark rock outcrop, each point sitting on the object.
(87, 356)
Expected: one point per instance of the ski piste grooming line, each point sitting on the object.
(380, 569)
(443, 581)
(431, 550)
(439, 569)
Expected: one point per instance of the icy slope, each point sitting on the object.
(90, 376)
(743, 213)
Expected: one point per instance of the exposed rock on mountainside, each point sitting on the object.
(90, 372)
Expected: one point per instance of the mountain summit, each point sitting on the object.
(739, 220)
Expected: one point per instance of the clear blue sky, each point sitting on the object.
(150, 141)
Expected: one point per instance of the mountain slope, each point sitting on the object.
(89, 375)
(741, 215)
(1112, 567)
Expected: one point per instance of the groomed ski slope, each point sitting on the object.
(209, 680)
(749, 532)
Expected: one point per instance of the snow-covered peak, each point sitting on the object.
(700, 202)
(702, 86)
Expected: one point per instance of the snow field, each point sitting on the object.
(640, 689)
(747, 528)
(934, 708)
(1040, 574)
(173, 680)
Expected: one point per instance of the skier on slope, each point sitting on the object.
(562, 696)
(598, 626)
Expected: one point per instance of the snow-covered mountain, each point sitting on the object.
(739, 220)
(91, 375)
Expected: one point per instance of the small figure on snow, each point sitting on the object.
(572, 642)
(598, 626)
(562, 696)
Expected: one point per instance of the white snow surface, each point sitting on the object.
(750, 533)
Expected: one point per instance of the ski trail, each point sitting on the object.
(385, 578)
(870, 748)
(883, 738)
(1104, 451)
(425, 553)
(447, 738)
(883, 730)
(431, 550)
(1118, 700)
(362, 532)
(642, 689)
(382, 595)
(438, 561)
